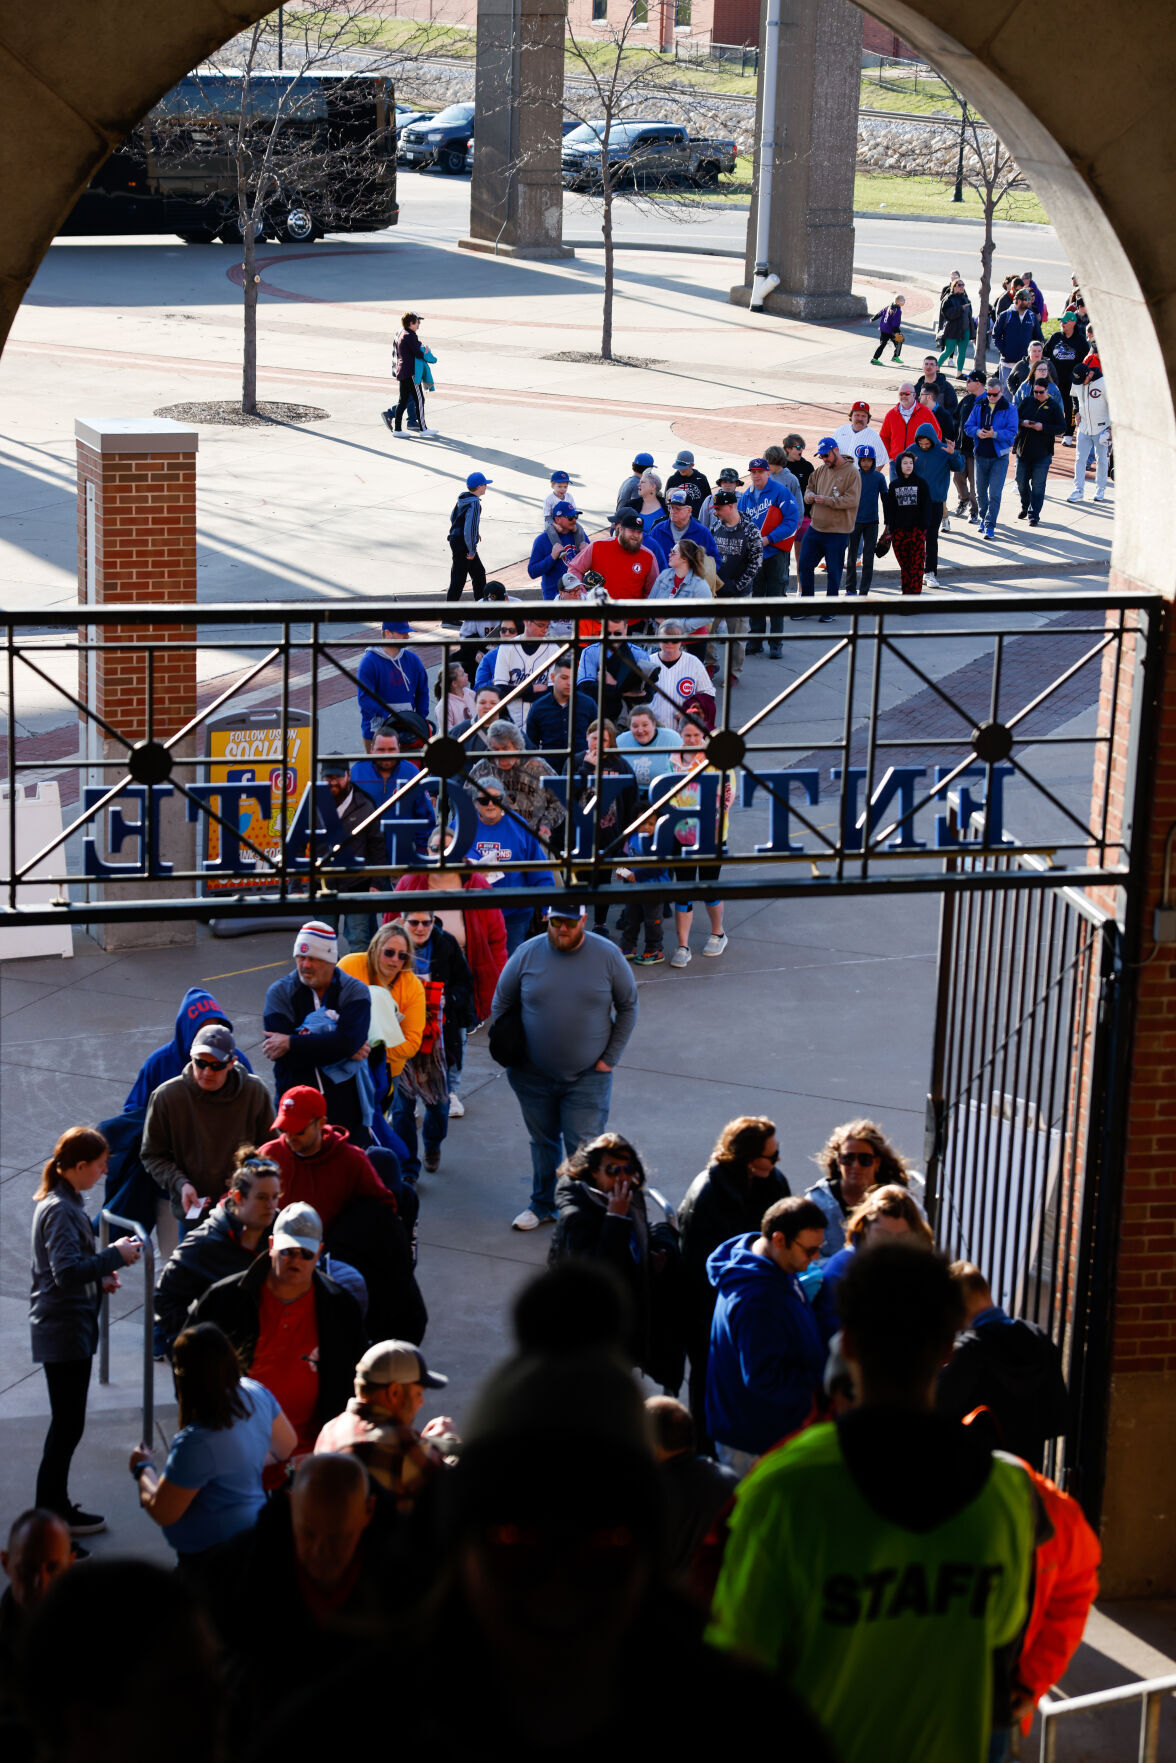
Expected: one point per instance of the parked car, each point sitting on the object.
(569, 123)
(649, 155)
(441, 141)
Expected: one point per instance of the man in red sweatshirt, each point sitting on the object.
(900, 424)
(629, 568)
(322, 1168)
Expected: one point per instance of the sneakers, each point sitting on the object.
(715, 943)
(386, 418)
(456, 1108)
(945, 525)
(630, 954)
(775, 652)
(1024, 514)
(825, 618)
(1076, 496)
(973, 520)
(930, 580)
(529, 1220)
(754, 649)
(432, 1158)
(426, 431)
(681, 956)
(1034, 520)
(988, 533)
(1069, 441)
(650, 957)
(83, 1524)
(1099, 496)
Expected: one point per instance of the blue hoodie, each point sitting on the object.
(873, 488)
(197, 1007)
(390, 682)
(662, 536)
(1001, 418)
(767, 1358)
(934, 466)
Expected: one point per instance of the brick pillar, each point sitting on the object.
(137, 543)
(1138, 1523)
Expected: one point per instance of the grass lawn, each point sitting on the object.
(879, 192)
(927, 98)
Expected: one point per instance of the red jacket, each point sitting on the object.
(898, 432)
(1065, 1585)
(485, 936)
(331, 1179)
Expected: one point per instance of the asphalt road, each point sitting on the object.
(434, 206)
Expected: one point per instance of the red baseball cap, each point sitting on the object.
(859, 405)
(299, 1107)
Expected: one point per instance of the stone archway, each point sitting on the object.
(1092, 122)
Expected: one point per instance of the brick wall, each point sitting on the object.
(144, 514)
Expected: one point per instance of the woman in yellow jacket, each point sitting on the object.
(386, 967)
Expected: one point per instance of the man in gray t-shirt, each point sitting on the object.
(579, 1007)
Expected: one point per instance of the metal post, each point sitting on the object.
(959, 183)
(281, 32)
(767, 141)
(1149, 1727)
(105, 1220)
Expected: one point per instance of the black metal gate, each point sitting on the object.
(1021, 1166)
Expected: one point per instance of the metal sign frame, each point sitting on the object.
(858, 851)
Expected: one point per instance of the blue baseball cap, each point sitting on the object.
(684, 458)
(644, 460)
(476, 480)
(565, 912)
(560, 477)
(866, 452)
(567, 509)
(397, 626)
(759, 464)
(826, 445)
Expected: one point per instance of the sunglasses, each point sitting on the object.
(393, 955)
(210, 1064)
(618, 1169)
(418, 923)
(297, 1254)
(865, 1158)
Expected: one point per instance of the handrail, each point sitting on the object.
(1152, 1692)
(105, 1220)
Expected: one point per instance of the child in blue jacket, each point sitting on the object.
(935, 460)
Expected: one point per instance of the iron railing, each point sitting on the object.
(1151, 1694)
(865, 713)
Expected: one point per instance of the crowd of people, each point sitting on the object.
(856, 1475)
(845, 1460)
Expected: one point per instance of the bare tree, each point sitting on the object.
(615, 70)
(293, 160)
(986, 166)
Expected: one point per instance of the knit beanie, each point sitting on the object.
(319, 941)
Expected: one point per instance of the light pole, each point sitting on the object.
(959, 183)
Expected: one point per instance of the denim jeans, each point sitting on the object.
(771, 580)
(832, 547)
(518, 928)
(359, 928)
(990, 479)
(404, 1126)
(1031, 476)
(1084, 446)
(554, 1110)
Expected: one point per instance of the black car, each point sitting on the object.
(440, 141)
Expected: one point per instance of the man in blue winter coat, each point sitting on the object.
(391, 678)
(767, 1356)
(678, 524)
(993, 426)
(197, 1009)
(1014, 330)
(775, 513)
(561, 539)
(313, 1056)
